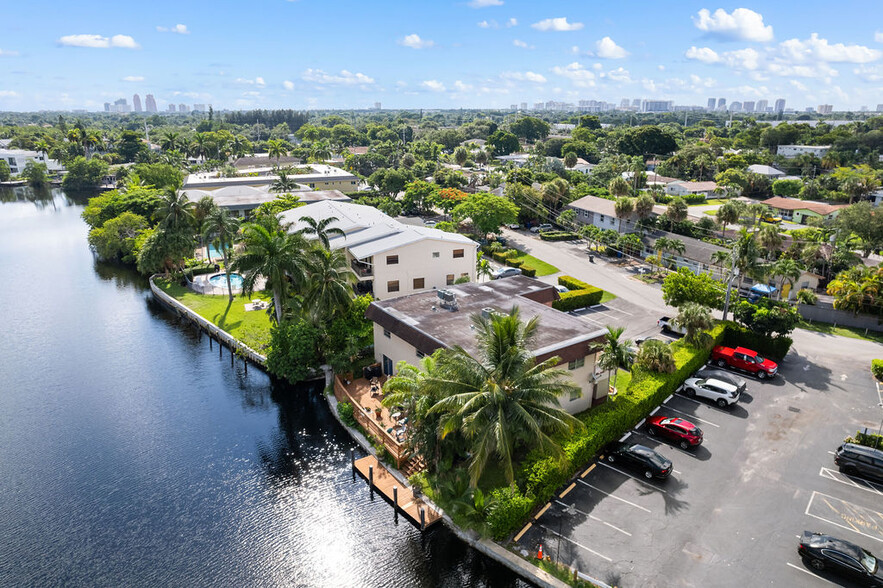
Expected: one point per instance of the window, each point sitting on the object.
(386, 334)
(392, 286)
(575, 394)
(419, 283)
(435, 254)
(602, 217)
(458, 253)
(576, 364)
(420, 354)
(392, 260)
(449, 280)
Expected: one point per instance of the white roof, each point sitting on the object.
(765, 170)
(367, 231)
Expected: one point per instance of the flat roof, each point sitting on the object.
(420, 320)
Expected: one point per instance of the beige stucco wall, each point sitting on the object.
(416, 261)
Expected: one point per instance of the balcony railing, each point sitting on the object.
(362, 270)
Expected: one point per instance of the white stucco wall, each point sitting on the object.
(416, 261)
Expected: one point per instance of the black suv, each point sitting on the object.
(859, 460)
(846, 559)
(644, 459)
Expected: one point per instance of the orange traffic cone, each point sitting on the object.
(540, 552)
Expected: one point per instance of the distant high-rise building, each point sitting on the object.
(183, 108)
(735, 106)
(171, 108)
(809, 109)
(136, 103)
(721, 103)
(825, 109)
(107, 107)
(513, 107)
(624, 103)
(537, 105)
(636, 103)
(711, 103)
(656, 105)
(199, 108)
(149, 103)
(761, 106)
(748, 106)
(780, 105)
(880, 108)
(523, 105)
(378, 106)
(863, 109)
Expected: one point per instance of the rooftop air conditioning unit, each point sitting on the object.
(487, 312)
(448, 299)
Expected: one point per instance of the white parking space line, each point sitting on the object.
(580, 545)
(711, 406)
(624, 437)
(638, 506)
(855, 483)
(655, 410)
(594, 518)
(637, 479)
(848, 527)
(693, 417)
(799, 569)
(675, 447)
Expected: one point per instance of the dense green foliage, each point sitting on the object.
(877, 369)
(294, 353)
(84, 174)
(684, 286)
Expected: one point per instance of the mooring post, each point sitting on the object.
(395, 497)
(371, 477)
(422, 519)
(353, 462)
(232, 357)
(210, 341)
(220, 348)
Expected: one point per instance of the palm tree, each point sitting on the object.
(329, 283)
(644, 206)
(745, 253)
(481, 157)
(556, 191)
(199, 146)
(43, 146)
(460, 156)
(755, 212)
(483, 268)
(788, 270)
(321, 229)
(616, 352)
(695, 319)
(721, 257)
(276, 255)
(623, 207)
(769, 239)
(729, 214)
(656, 356)
(676, 211)
(570, 159)
(170, 141)
(500, 398)
(665, 244)
(619, 187)
(320, 152)
(176, 211)
(219, 228)
(283, 183)
(239, 146)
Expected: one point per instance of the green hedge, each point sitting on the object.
(866, 439)
(689, 198)
(572, 283)
(345, 411)
(514, 262)
(877, 368)
(558, 236)
(578, 299)
(775, 348)
(509, 507)
(528, 271)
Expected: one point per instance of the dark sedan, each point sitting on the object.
(823, 552)
(641, 458)
(682, 432)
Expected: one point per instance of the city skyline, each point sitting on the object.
(475, 54)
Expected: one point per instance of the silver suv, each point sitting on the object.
(859, 460)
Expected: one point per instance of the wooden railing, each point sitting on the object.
(398, 450)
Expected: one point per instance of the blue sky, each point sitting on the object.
(437, 54)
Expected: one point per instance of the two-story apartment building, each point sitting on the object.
(410, 327)
(792, 151)
(320, 177)
(240, 201)
(17, 159)
(389, 257)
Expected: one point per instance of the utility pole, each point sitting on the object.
(734, 271)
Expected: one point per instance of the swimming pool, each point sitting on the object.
(220, 280)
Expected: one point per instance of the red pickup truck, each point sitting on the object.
(744, 359)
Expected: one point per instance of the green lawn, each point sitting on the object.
(607, 297)
(542, 268)
(623, 379)
(710, 201)
(850, 332)
(252, 327)
(710, 212)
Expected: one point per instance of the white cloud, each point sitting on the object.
(619, 74)
(522, 44)
(607, 48)
(660, 67)
(484, 3)
(344, 78)
(742, 58)
(133, 79)
(527, 76)
(702, 82)
(800, 86)
(869, 73)
(878, 36)
(251, 93)
(462, 87)
(557, 24)
(258, 81)
(743, 24)
(433, 85)
(288, 85)
(415, 42)
(98, 42)
(817, 49)
(485, 24)
(8, 53)
(703, 54)
(8, 94)
(179, 29)
(577, 74)
(813, 70)
(513, 22)
(648, 84)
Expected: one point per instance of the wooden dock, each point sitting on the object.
(402, 499)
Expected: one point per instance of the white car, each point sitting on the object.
(722, 393)
(513, 226)
(561, 289)
(429, 223)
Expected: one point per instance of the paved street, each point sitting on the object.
(731, 513)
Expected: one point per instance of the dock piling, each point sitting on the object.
(371, 480)
(422, 519)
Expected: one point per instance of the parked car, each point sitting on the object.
(676, 429)
(716, 374)
(823, 552)
(505, 272)
(859, 460)
(513, 226)
(542, 228)
(744, 359)
(720, 393)
(669, 325)
(429, 223)
(771, 218)
(561, 289)
(501, 240)
(641, 458)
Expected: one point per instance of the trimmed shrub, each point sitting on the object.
(528, 271)
(807, 296)
(866, 439)
(775, 348)
(498, 256)
(514, 262)
(511, 253)
(572, 283)
(508, 509)
(558, 236)
(345, 411)
(578, 299)
(877, 368)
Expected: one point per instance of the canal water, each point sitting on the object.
(131, 455)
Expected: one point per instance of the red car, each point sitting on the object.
(744, 359)
(682, 432)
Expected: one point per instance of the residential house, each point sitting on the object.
(242, 200)
(410, 327)
(516, 159)
(601, 212)
(391, 258)
(766, 171)
(697, 256)
(582, 166)
(320, 177)
(19, 158)
(687, 188)
(798, 211)
(792, 151)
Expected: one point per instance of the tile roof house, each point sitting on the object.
(410, 327)
(796, 210)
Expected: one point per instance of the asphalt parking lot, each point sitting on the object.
(732, 511)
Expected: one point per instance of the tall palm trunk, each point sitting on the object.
(227, 272)
(277, 302)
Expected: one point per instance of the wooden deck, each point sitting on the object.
(384, 483)
(365, 405)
